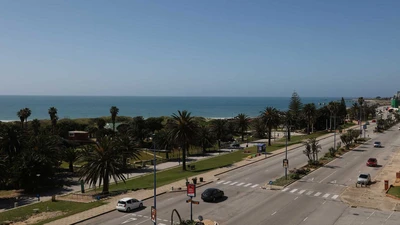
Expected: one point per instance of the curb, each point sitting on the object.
(273, 155)
(112, 210)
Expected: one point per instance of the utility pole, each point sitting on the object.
(287, 133)
(155, 180)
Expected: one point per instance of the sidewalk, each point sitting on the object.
(147, 194)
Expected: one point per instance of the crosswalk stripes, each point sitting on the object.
(237, 183)
(301, 192)
(326, 195)
(309, 193)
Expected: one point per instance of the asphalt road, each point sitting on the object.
(313, 200)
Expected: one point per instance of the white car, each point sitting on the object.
(127, 204)
(377, 144)
(364, 178)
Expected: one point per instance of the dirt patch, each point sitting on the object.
(374, 196)
(39, 217)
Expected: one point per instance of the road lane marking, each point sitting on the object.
(285, 189)
(293, 191)
(324, 202)
(335, 196)
(273, 213)
(240, 184)
(139, 215)
(296, 198)
(327, 176)
(309, 193)
(326, 195)
(317, 194)
(144, 216)
(162, 224)
(389, 216)
(227, 182)
(165, 220)
(129, 220)
(302, 191)
(233, 183)
(219, 182)
(247, 185)
(305, 219)
(254, 186)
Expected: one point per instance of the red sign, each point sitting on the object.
(191, 190)
(153, 214)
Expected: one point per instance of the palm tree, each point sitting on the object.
(163, 141)
(243, 122)
(10, 141)
(183, 131)
(35, 126)
(271, 118)
(21, 114)
(114, 112)
(219, 128)
(127, 147)
(53, 118)
(204, 138)
(28, 113)
(103, 162)
(71, 155)
(360, 101)
(310, 113)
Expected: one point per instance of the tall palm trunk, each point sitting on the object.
(184, 158)
(269, 135)
(106, 184)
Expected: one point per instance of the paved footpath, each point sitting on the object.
(147, 194)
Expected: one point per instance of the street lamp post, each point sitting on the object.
(287, 133)
(155, 180)
(360, 123)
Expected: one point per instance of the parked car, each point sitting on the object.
(364, 179)
(212, 194)
(372, 162)
(235, 144)
(127, 204)
(377, 144)
(374, 121)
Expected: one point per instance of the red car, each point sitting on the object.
(372, 162)
(373, 121)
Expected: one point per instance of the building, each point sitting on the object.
(78, 135)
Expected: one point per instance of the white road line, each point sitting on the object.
(254, 186)
(144, 216)
(389, 216)
(222, 181)
(140, 215)
(240, 184)
(327, 176)
(247, 185)
(305, 219)
(296, 198)
(326, 195)
(162, 224)
(293, 191)
(302, 191)
(273, 213)
(285, 189)
(317, 194)
(309, 193)
(165, 220)
(324, 202)
(335, 196)
(227, 182)
(233, 183)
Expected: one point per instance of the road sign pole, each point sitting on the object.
(191, 209)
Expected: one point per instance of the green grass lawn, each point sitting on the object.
(395, 191)
(69, 208)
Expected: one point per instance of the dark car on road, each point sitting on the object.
(372, 162)
(212, 194)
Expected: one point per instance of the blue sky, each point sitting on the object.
(200, 48)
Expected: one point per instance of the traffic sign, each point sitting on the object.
(191, 190)
(153, 214)
(285, 163)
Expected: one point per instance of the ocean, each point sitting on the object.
(96, 106)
